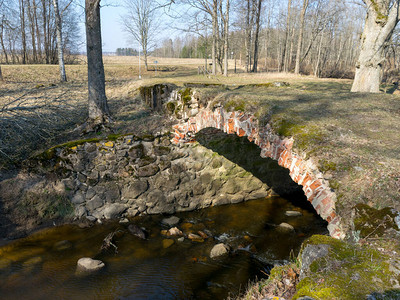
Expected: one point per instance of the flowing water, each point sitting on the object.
(43, 265)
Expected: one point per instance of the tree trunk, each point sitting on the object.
(46, 41)
(23, 33)
(256, 39)
(300, 39)
(32, 30)
(145, 60)
(283, 59)
(99, 113)
(214, 38)
(63, 76)
(1, 75)
(248, 37)
(39, 49)
(226, 46)
(2, 40)
(378, 30)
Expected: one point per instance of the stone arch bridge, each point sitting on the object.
(302, 171)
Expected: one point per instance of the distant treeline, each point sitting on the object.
(126, 52)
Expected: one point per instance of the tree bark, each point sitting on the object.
(248, 37)
(256, 39)
(285, 46)
(23, 33)
(226, 46)
(46, 40)
(300, 39)
(99, 113)
(378, 29)
(215, 36)
(63, 76)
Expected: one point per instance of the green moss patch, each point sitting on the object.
(45, 205)
(349, 271)
(186, 95)
(371, 222)
(235, 105)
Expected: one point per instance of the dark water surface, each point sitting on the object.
(38, 268)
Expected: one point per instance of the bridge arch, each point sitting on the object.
(302, 171)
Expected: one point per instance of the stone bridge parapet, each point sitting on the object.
(302, 171)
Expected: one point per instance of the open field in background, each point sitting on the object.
(353, 137)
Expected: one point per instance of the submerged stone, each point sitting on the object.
(88, 264)
(167, 243)
(137, 231)
(219, 250)
(293, 213)
(171, 221)
(285, 227)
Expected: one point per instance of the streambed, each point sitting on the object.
(43, 265)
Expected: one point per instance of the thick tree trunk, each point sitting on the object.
(300, 39)
(378, 30)
(99, 113)
(63, 76)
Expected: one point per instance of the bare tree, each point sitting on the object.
(63, 76)
(99, 113)
(23, 33)
(140, 22)
(382, 17)
(300, 39)
(257, 32)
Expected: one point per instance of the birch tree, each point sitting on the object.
(63, 76)
(382, 18)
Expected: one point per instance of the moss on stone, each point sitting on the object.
(171, 107)
(349, 271)
(51, 153)
(235, 105)
(45, 205)
(186, 95)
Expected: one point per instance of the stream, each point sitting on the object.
(43, 265)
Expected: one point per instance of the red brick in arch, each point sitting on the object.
(303, 172)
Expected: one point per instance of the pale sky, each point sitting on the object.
(113, 36)
(111, 30)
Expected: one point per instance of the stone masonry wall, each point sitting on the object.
(302, 171)
(130, 176)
